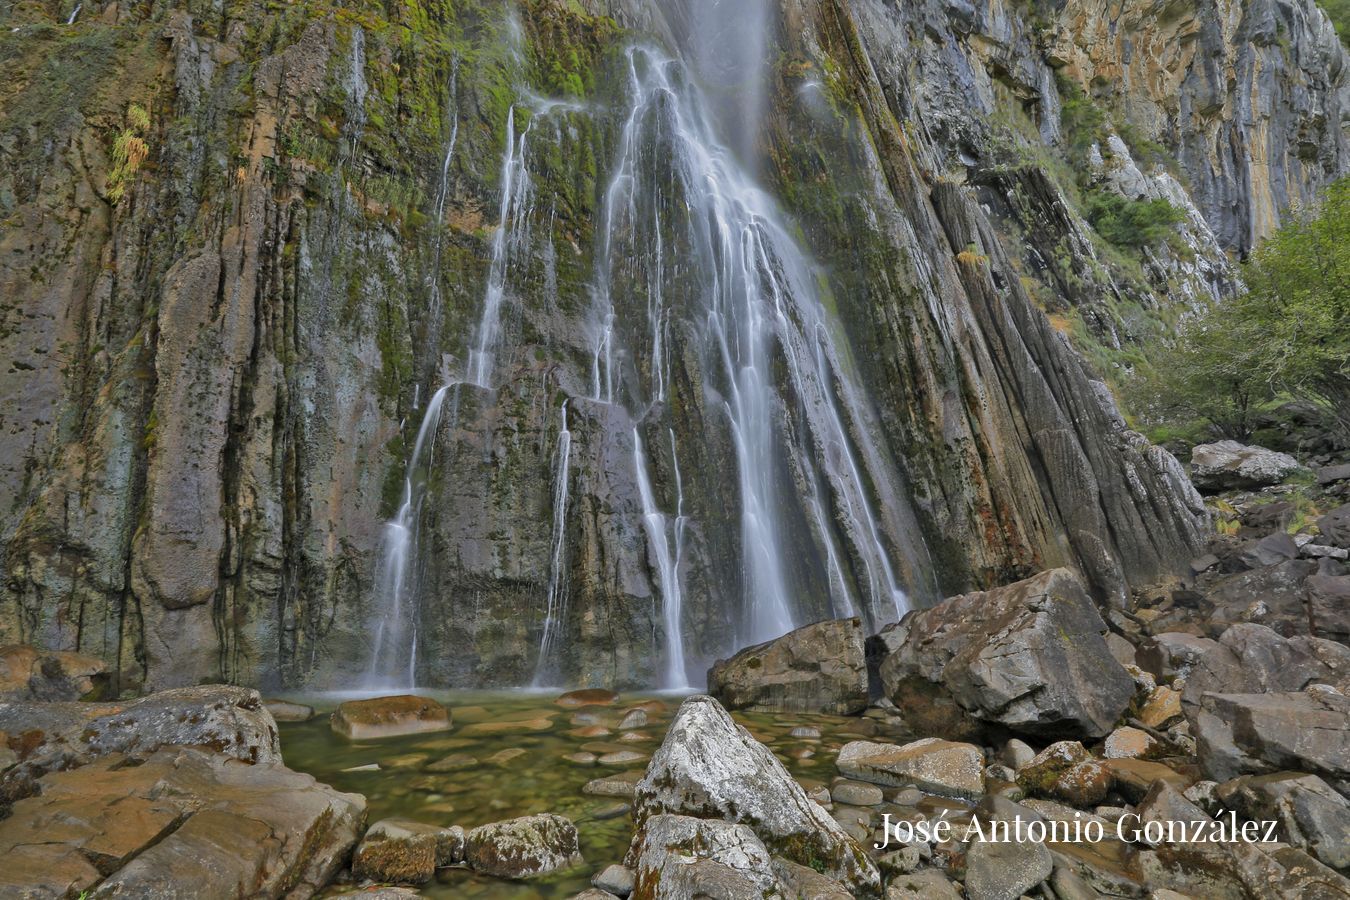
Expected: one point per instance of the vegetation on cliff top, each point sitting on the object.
(1287, 336)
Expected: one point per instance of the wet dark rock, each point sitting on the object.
(1329, 606)
(1030, 656)
(1333, 474)
(709, 766)
(381, 717)
(29, 674)
(1269, 551)
(820, 668)
(524, 847)
(1334, 527)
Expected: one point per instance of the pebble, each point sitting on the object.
(908, 797)
(634, 737)
(617, 880)
(806, 732)
(622, 758)
(612, 786)
(369, 767)
(408, 761)
(590, 731)
(484, 728)
(587, 697)
(581, 759)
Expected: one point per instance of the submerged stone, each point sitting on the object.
(381, 717)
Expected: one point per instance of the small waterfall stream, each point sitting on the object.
(555, 610)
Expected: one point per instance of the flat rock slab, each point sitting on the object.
(184, 823)
(287, 711)
(225, 719)
(381, 717)
(945, 768)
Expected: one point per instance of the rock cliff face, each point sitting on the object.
(241, 247)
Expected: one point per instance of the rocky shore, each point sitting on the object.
(1021, 741)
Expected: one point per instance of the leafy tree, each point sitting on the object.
(1131, 223)
(1289, 334)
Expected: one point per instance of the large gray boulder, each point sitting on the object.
(524, 847)
(709, 767)
(1312, 815)
(27, 673)
(184, 823)
(819, 668)
(932, 765)
(228, 720)
(1308, 731)
(1030, 656)
(1253, 659)
(1229, 465)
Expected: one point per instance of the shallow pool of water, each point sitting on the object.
(504, 758)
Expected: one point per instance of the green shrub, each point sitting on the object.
(1131, 223)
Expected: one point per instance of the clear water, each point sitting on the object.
(538, 781)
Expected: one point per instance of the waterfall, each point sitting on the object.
(393, 659)
(442, 192)
(754, 299)
(555, 610)
(667, 565)
(512, 226)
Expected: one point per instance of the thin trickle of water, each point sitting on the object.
(667, 570)
(74, 14)
(442, 193)
(393, 658)
(357, 90)
(555, 610)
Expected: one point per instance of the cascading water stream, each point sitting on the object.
(555, 611)
(756, 298)
(393, 660)
(667, 564)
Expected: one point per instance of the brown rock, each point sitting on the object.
(940, 767)
(1162, 706)
(819, 668)
(27, 673)
(587, 697)
(523, 847)
(1133, 777)
(1066, 771)
(381, 717)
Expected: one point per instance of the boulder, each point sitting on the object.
(228, 720)
(676, 857)
(381, 717)
(935, 766)
(1162, 706)
(1129, 743)
(1329, 606)
(1229, 465)
(1030, 656)
(1306, 731)
(797, 882)
(286, 711)
(1333, 474)
(820, 668)
(928, 884)
(1005, 870)
(1132, 778)
(1173, 654)
(179, 821)
(1066, 771)
(523, 847)
(709, 766)
(1271, 595)
(403, 851)
(617, 880)
(1269, 551)
(1312, 816)
(1251, 659)
(1335, 527)
(28, 674)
